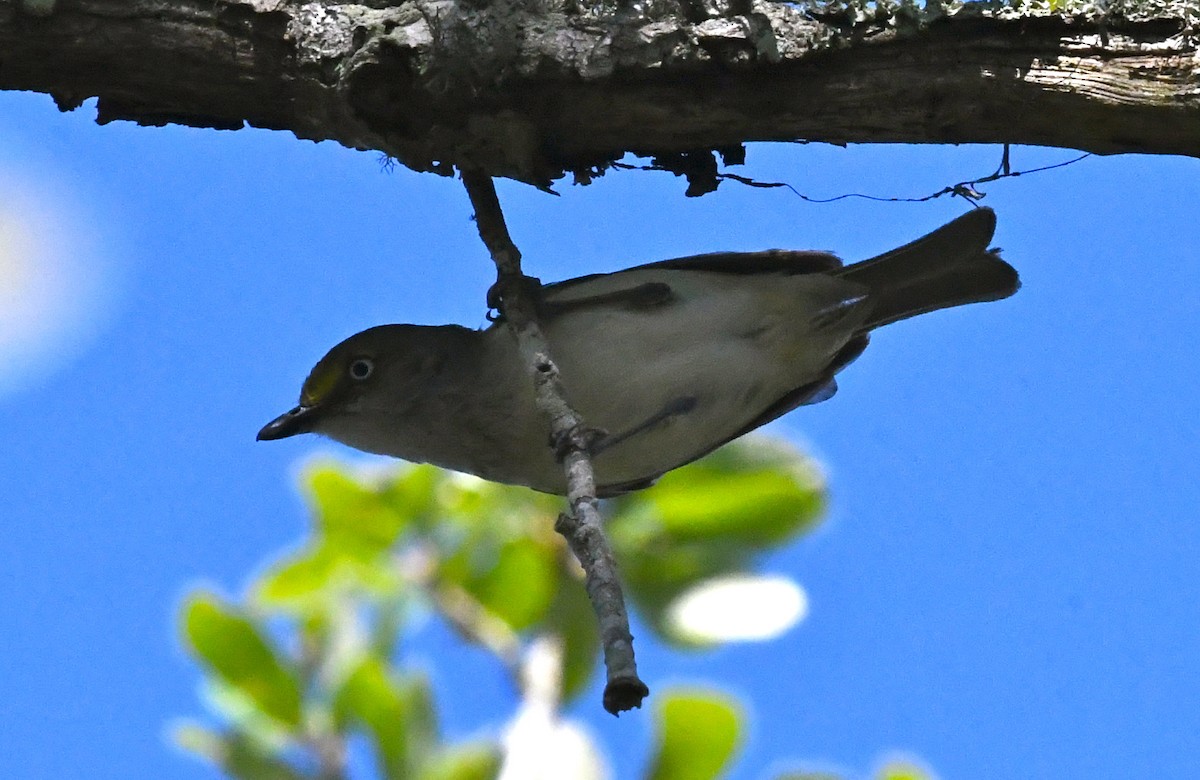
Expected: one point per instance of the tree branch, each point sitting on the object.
(535, 90)
(515, 296)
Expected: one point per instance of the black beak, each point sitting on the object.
(298, 420)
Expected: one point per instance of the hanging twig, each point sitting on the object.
(962, 189)
(514, 296)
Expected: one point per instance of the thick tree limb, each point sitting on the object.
(532, 90)
(580, 525)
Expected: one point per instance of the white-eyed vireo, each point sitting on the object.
(668, 360)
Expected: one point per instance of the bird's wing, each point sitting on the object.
(638, 297)
(677, 407)
(563, 297)
(635, 290)
(821, 389)
(812, 393)
(770, 261)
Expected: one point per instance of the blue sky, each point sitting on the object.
(1007, 585)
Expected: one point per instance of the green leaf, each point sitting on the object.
(657, 573)
(571, 617)
(311, 578)
(413, 493)
(243, 715)
(673, 567)
(760, 508)
(502, 551)
(750, 492)
(398, 714)
(472, 761)
(370, 697)
(709, 519)
(698, 732)
(475, 513)
(237, 756)
(902, 770)
(232, 646)
(201, 741)
(519, 587)
(296, 580)
(354, 519)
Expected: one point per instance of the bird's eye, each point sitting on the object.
(361, 368)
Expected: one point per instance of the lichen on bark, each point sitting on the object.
(537, 90)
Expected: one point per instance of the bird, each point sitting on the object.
(665, 362)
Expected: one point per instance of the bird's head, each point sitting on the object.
(374, 371)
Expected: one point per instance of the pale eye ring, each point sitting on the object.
(361, 368)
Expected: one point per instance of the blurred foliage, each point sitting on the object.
(698, 733)
(306, 668)
(891, 769)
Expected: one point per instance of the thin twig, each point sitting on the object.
(514, 295)
(474, 621)
(327, 744)
(418, 566)
(962, 189)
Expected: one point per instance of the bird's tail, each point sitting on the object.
(951, 266)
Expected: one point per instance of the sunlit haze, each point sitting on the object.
(54, 285)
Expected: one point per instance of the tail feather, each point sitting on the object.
(951, 266)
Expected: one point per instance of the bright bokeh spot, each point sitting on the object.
(739, 608)
(539, 744)
(53, 284)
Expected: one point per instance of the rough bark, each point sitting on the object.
(535, 89)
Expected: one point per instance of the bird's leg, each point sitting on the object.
(580, 437)
(597, 440)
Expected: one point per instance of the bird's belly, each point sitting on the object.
(668, 383)
(658, 412)
(664, 401)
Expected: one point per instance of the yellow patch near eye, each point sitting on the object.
(320, 384)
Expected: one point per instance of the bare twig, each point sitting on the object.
(962, 189)
(418, 565)
(474, 621)
(514, 295)
(327, 744)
